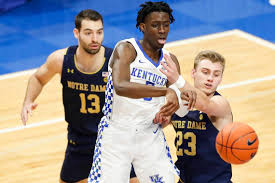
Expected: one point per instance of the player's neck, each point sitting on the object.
(153, 53)
(84, 56)
(87, 62)
(209, 95)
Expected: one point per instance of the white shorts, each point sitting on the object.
(119, 146)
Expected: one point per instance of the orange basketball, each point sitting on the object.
(237, 143)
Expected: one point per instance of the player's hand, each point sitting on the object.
(27, 110)
(171, 105)
(159, 118)
(162, 120)
(190, 96)
(169, 69)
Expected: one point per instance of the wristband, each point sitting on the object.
(175, 88)
(180, 82)
(183, 110)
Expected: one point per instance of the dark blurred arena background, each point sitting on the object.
(32, 29)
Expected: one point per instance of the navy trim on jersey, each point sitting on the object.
(82, 127)
(199, 163)
(83, 93)
(155, 64)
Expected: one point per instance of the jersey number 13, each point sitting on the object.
(94, 101)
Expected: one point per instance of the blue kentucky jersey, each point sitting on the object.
(83, 93)
(198, 160)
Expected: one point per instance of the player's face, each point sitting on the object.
(91, 36)
(207, 76)
(156, 28)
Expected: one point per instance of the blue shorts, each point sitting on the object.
(79, 157)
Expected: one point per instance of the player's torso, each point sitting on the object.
(83, 93)
(196, 150)
(143, 71)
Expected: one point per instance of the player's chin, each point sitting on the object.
(94, 51)
(208, 91)
(160, 45)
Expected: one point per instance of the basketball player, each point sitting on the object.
(134, 94)
(83, 70)
(196, 132)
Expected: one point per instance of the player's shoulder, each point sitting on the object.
(58, 54)
(56, 58)
(125, 45)
(125, 48)
(218, 96)
(222, 102)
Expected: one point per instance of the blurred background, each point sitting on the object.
(32, 29)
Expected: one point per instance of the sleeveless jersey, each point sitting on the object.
(129, 111)
(198, 159)
(83, 93)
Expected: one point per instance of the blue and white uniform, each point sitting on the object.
(126, 132)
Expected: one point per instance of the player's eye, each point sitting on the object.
(217, 74)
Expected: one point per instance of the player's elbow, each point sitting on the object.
(120, 89)
(35, 80)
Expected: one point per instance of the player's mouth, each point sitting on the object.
(208, 86)
(162, 40)
(94, 46)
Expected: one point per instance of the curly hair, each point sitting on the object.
(149, 7)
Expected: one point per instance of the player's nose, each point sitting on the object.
(161, 29)
(94, 38)
(210, 77)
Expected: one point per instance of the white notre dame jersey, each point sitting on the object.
(143, 70)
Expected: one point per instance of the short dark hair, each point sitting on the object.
(149, 7)
(87, 14)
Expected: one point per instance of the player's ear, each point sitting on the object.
(142, 27)
(76, 33)
(193, 73)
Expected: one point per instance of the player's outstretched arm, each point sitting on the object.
(214, 106)
(36, 82)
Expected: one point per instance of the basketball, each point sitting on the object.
(237, 143)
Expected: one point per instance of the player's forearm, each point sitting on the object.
(33, 89)
(203, 102)
(136, 90)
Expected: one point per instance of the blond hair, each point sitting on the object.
(210, 55)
